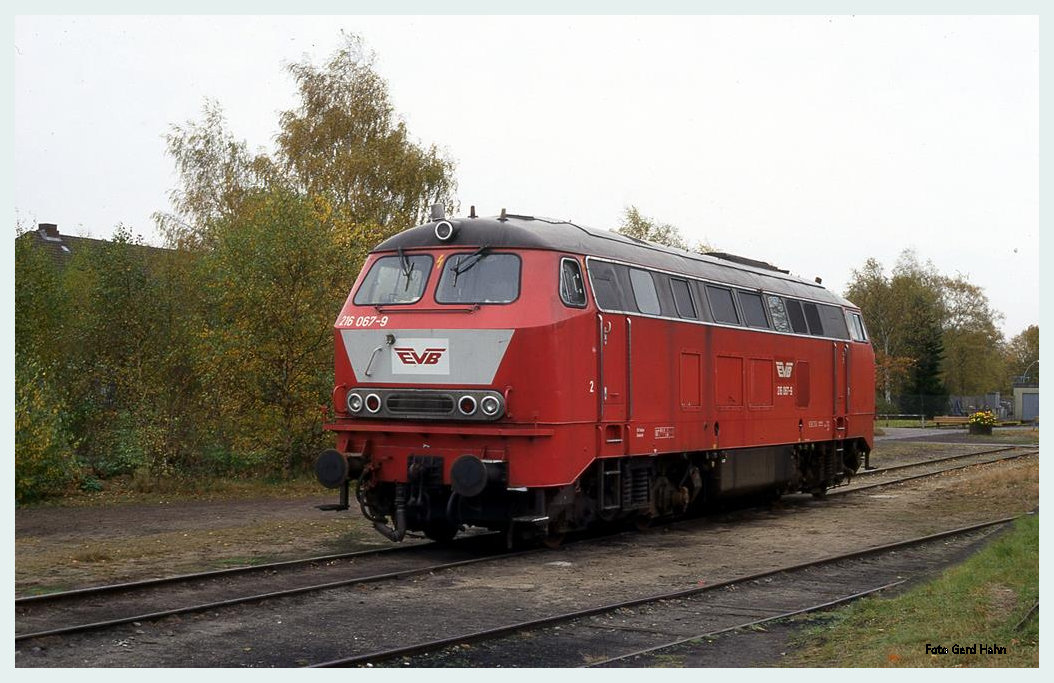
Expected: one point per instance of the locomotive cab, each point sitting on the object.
(451, 349)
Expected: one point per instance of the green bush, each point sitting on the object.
(122, 452)
(45, 465)
(218, 461)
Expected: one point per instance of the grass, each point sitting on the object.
(916, 422)
(1010, 437)
(1017, 436)
(114, 557)
(667, 661)
(985, 600)
(124, 490)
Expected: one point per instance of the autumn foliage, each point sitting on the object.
(214, 357)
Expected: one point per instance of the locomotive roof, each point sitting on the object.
(529, 232)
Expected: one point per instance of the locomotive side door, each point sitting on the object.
(611, 287)
(612, 381)
(840, 392)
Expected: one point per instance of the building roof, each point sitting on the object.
(61, 247)
(529, 232)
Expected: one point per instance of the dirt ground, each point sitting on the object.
(61, 548)
(157, 540)
(296, 631)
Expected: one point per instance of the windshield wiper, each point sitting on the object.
(475, 257)
(468, 261)
(407, 266)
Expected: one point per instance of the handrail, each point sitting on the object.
(629, 369)
(600, 388)
(450, 309)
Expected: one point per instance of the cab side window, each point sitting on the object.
(682, 298)
(572, 290)
(753, 309)
(833, 321)
(856, 327)
(778, 313)
(644, 293)
(607, 285)
(812, 315)
(797, 317)
(721, 305)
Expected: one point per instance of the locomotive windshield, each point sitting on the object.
(479, 277)
(395, 280)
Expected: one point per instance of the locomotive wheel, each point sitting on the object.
(441, 531)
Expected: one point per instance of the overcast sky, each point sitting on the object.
(809, 142)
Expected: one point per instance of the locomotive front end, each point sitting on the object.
(437, 383)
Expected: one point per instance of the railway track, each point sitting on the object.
(655, 649)
(944, 459)
(103, 607)
(607, 616)
(933, 461)
(88, 591)
(215, 573)
(978, 458)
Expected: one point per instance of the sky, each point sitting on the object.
(810, 142)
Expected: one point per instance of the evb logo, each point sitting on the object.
(784, 369)
(421, 357)
(410, 357)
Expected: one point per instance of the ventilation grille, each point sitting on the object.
(420, 404)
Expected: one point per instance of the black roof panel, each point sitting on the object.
(528, 232)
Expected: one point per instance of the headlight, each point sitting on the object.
(444, 230)
(373, 403)
(467, 405)
(490, 405)
(354, 403)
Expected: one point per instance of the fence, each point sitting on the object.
(919, 407)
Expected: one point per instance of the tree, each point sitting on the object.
(277, 238)
(870, 289)
(39, 304)
(44, 457)
(917, 293)
(973, 344)
(1021, 356)
(640, 227)
(345, 143)
(216, 172)
(932, 333)
(273, 283)
(896, 308)
(102, 343)
(44, 462)
(131, 394)
(924, 393)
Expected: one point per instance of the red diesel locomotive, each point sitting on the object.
(535, 376)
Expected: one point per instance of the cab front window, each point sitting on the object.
(479, 277)
(395, 280)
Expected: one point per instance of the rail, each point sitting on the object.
(494, 633)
